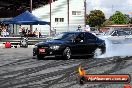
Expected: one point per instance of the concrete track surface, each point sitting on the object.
(18, 69)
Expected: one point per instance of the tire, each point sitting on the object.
(97, 52)
(26, 46)
(67, 53)
(40, 57)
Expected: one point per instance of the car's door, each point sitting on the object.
(90, 41)
(79, 44)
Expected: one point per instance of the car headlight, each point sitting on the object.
(56, 47)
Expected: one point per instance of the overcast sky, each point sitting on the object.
(110, 6)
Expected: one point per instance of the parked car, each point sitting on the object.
(118, 35)
(69, 44)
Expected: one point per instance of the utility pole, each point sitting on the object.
(31, 27)
(68, 14)
(85, 9)
(50, 16)
(31, 6)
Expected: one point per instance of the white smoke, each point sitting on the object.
(123, 48)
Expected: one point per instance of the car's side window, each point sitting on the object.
(90, 37)
(69, 36)
(115, 33)
(122, 33)
(80, 37)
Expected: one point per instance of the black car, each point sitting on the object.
(69, 44)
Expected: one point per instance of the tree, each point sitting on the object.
(130, 20)
(118, 18)
(95, 18)
(107, 22)
(127, 19)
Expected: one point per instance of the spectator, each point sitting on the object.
(28, 33)
(23, 31)
(0, 29)
(40, 34)
(20, 30)
(4, 33)
(87, 28)
(79, 28)
(26, 30)
(7, 34)
(37, 32)
(9, 30)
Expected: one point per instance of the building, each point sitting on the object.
(59, 16)
(107, 27)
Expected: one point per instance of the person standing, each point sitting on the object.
(37, 32)
(20, 30)
(4, 32)
(79, 28)
(23, 32)
(0, 29)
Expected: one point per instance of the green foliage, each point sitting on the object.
(118, 18)
(95, 18)
(127, 19)
(107, 22)
(130, 20)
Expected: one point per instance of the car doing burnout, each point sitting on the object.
(69, 44)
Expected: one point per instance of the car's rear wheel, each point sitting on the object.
(40, 57)
(67, 53)
(98, 52)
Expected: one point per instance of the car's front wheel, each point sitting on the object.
(67, 53)
(40, 57)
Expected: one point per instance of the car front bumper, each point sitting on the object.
(48, 52)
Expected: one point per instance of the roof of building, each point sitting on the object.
(119, 25)
(11, 8)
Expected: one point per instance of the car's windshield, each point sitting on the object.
(121, 31)
(64, 36)
(109, 32)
